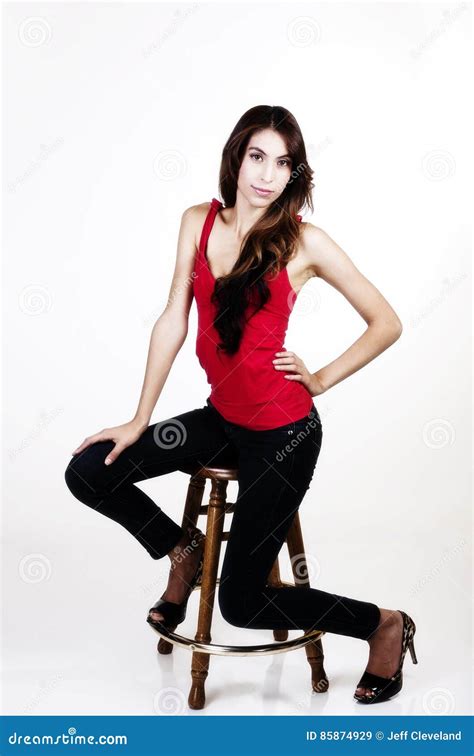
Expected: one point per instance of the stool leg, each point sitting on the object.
(193, 501)
(275, 581)
(190, 517)
(314, 650)
(214, 531)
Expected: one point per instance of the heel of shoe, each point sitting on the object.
(411, 648)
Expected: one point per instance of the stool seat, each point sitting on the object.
(217, 473)
(201, 646)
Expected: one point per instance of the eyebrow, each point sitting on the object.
(264, 153)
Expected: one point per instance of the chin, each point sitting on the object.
(257, 201)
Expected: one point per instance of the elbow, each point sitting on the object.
(398, 328)
(172, 325)
(389, 330)
(394, 330)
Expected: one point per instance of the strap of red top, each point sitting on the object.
(206, 229)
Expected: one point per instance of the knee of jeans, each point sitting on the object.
(232, 604)
(86, 474)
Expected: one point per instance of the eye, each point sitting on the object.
(283, 162)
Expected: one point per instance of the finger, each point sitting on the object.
(295, 377)
(112, 455)
(88, 441)
(83, 446)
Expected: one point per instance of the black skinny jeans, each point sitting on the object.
(275, 468)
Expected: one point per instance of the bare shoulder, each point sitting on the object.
(195, 212)
(199, 209)
(193, 217)
(320, 252)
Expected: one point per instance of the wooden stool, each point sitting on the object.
(201, 646)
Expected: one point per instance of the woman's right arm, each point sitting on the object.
(170, 330)
(168, 335)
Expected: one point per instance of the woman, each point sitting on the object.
(260, 415)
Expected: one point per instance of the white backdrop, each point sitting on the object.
(115, 116)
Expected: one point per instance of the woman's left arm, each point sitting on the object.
(328, 261)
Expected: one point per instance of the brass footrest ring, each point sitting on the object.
(277, 647)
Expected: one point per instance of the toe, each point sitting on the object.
(364, 693)
(156, 616)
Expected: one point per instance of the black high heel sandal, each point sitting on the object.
(173, 614)
(384, 688)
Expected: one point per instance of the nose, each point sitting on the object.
(267, 174)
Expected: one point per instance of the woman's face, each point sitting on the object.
(265, 165)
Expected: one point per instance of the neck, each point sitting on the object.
(243, 215)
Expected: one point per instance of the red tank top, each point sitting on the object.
(245, 387)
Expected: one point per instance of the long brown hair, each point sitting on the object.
(271, 241)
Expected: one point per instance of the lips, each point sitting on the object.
(262, 191)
